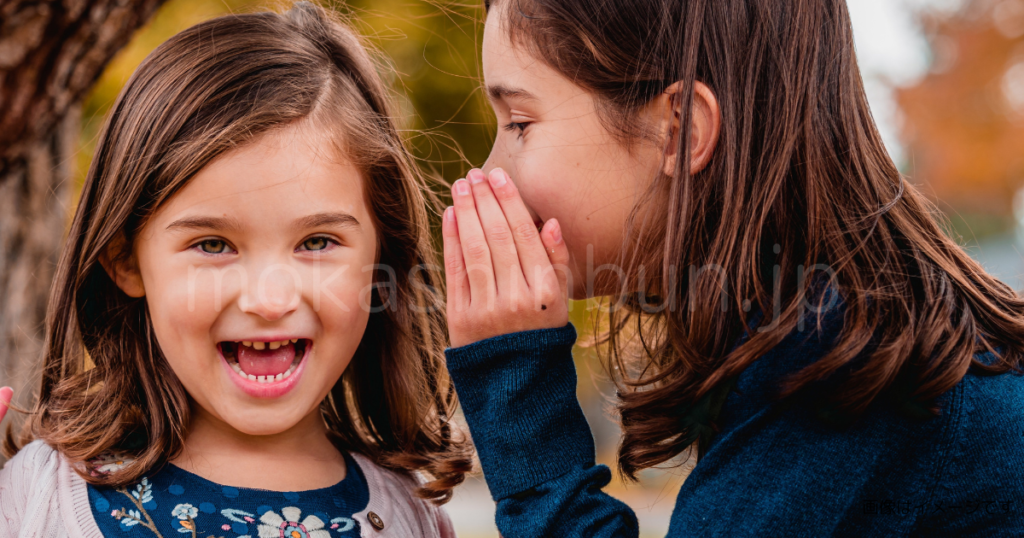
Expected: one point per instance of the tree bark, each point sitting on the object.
(51, 54)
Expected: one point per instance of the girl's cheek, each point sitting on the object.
(182, 317)
(543, 184)
(341, 296)
(201, 292)
(193, 305)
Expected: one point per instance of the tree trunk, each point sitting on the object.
(51, 53)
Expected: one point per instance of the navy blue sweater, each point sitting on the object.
(172, 501)
(774, 469)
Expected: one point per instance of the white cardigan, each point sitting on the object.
(42, 497)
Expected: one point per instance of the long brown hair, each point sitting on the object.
(211, 88)
(800, 179)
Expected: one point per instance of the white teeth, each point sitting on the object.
(233, 362)
(264, 345)
(263, 378)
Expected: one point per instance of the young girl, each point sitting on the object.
(842, 367)
(243, 338)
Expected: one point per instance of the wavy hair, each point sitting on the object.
(211, 88)
(800, 179)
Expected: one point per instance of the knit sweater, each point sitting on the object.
(41, 496)
(773, 469)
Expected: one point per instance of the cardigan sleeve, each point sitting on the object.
(13, 487)
(28, 492)
(518, 393)
(445, 528)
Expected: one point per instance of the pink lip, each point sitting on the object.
(274, 389)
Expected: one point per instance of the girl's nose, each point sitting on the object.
(493, 161)
(276, 293)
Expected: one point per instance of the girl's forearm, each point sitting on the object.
(518, 392)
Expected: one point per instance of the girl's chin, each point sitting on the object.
(266, 421)
(264, 427)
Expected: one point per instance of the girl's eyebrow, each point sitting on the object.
(206, 223)
(498, 92)
(339, 219)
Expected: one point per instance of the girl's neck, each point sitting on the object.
(298, 459)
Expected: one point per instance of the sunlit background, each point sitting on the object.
(945, 80)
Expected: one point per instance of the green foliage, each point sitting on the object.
(434, 47)
(430, 47)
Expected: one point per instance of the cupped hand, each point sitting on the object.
(503, 274)
(6, 393)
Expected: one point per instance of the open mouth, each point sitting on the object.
(265, 362)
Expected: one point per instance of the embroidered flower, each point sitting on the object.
(287, 525)
(108, 463)
(342, 524)
(238, 516)
(128, 518)
(143, 491)
(185, 511)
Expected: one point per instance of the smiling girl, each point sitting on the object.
(784, 301)
(242, 337)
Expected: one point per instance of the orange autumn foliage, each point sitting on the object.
(964, 122)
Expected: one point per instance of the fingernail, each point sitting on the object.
(476, 176)
(556, 233)
(497, 178)
(449, 214)
(462, 187)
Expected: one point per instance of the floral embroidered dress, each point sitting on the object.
(173, 501)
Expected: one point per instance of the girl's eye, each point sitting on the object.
(214, 246)
(517, 126)
(316, 243)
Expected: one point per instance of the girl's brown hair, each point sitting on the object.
(800, 179)
(211, 88)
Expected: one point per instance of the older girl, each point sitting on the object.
(797, 316)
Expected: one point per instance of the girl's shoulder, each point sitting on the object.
(394, 509)
(979, 479)
(35, 462)
(991, 413)
(31, 488)
(38, 458)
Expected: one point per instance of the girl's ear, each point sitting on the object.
(707, 124)
(123, 270)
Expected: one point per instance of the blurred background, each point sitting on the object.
(945, 79)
